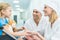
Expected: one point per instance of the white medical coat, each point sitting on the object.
(31, 25)
(54, 32)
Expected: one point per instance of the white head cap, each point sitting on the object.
(54, 4)
(39, 7)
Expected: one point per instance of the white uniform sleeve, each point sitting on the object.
(28, 25)
(56, 35)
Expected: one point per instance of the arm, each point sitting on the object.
(40, 36)
(56, 35)
(13, 24)
(6, 28)
(37, 34)
(19, 29)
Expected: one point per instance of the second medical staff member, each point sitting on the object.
(52, 31)
(36, 23)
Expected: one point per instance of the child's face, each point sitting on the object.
(7, 12)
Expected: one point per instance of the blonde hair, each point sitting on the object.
(53, 17)
(3, 6)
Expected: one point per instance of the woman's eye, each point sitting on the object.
(36, 11)
(45, 7)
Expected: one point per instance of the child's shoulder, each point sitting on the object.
(1, 20)
(11, 21)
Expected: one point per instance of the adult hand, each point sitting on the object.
(33, 37)
(33, 33)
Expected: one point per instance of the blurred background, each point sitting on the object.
(22, 9)
(19, 12)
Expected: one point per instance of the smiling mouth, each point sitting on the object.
(36, 17)
(45, 11)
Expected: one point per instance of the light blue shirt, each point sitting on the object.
(3, 22)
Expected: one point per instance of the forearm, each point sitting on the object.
(18, 34)
(6, 28)
(40, 36)
(37, 34)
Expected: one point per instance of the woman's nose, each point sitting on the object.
(34, 13)
(44, 10)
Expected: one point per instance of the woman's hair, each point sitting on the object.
(3, 6)
(53, 17)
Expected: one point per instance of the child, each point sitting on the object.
(6, 23)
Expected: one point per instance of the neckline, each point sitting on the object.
(39, 21)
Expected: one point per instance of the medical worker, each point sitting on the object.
(36, 23)
(52, 31)
(51, 10)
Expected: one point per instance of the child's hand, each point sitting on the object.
(23, 28)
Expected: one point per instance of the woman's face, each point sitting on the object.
(7, 12)
(36, 14)
(47, 10)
